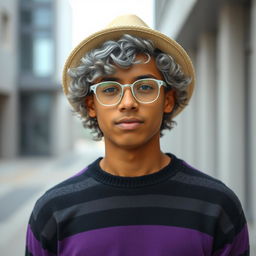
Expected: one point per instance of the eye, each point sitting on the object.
(109, 89)
(145, 87)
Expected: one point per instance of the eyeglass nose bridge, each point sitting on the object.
(127, 85)
(123, 86)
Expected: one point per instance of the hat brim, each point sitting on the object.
(161, 41)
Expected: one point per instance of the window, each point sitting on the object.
(36, 44)
(42, 54)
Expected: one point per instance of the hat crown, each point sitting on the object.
(127, 20)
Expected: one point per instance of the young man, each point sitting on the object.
(127, 82)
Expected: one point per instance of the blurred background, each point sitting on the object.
(42, 143)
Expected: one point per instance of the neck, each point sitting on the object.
(133, 162)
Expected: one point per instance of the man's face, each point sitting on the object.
(131, 124)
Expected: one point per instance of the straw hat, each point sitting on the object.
(133, 25)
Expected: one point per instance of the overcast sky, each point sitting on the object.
(92, 15)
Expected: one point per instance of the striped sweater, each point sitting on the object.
(176, 211)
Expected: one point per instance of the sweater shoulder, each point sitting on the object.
(207, 185)
(67, 188)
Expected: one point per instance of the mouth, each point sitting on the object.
(129, 123)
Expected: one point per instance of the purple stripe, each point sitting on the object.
(239, 246)
(79, 173)
(137, 240)
(34, 246)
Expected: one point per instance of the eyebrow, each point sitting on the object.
(136, 78)
(109, 79)
(145, 76)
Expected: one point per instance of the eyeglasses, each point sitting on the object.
(110, 93)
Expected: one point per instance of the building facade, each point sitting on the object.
(216, 131)
(35, 38)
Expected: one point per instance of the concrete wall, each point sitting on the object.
(8, 45)
(8, 74)
(62, 120)
(176, 14)
(231, 98)
(63, 35)
(206, 103)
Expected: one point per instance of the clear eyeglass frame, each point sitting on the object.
(160, 83)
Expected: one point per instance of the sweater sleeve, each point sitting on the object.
(232, 236)
(41, 238)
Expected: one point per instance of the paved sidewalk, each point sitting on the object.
(22, 181)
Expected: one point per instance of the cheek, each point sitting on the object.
(103, 118)
(100, 119)
(157, 116)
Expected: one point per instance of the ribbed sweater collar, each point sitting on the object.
(104, 177)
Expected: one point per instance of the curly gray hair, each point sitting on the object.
(101, 61)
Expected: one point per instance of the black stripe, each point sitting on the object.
(246, 253)
(207, 195)
(228, 241)
(138, 216)
(222, 239)
(62, 191)
(194, 177)
(49, 245)
(58, 203)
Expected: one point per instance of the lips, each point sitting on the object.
(129, 123)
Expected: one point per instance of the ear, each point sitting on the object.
(89, 103)
(169, 101)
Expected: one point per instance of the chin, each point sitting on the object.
(135, 142)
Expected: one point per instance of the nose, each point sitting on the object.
(128, 102)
